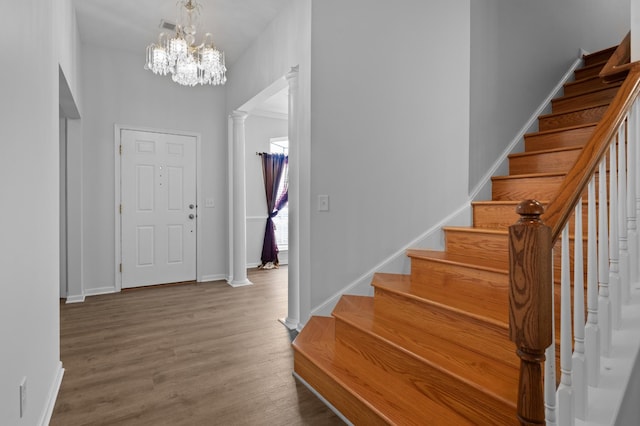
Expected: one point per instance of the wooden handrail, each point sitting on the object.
(575, 182)
(619, 63)
(531, 241)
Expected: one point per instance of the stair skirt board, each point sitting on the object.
(433, 237)
(322, 398)
(398, 262)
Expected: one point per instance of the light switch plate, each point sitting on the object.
(323, 203)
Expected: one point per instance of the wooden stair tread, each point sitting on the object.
(454, 259)
(545, 151)
(488, 376)
(392, 400)
(606, 52)
(553, 114)
(561, 129)
(500, 203)
(528, 176)
(472, 229)
(465, 298)
(587, 92)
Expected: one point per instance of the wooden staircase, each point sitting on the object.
(432, 347)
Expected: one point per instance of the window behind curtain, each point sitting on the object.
(281, 222)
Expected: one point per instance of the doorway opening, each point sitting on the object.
(284, 89)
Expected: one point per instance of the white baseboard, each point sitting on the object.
(52, 397)
(78, 298)
(215, 277)
(321, 398)
(100, 290)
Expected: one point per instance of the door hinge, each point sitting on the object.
(120, 149)
(120, 208)
(121, 268)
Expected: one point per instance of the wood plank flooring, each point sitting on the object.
(195, 354)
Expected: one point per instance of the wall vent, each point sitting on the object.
(166, 25)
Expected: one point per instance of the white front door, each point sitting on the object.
(158, 208)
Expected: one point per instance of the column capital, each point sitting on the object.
(292, 75)
(238, 115)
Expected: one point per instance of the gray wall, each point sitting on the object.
(117, 90)
(519, 51)
(389, 129)
(29, 184)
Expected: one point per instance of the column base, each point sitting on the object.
(239, 283)
(291, 324)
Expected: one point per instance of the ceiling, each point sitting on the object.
(131, 25)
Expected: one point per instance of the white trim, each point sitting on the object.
(75, 299)
(101, 290)
(270, 114)
(209, 278)
(52, 396)
(321, 398)
(117, 199)
(529, 125)
(230, 194)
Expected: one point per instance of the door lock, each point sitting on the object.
(191, 216)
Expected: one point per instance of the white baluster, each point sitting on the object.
(604, 304)
(614, 246)
(592, 330)
(632, 170)
(579, 361)
(565, 390)
(550, 365)
(622, 217)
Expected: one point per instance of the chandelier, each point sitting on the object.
(188, 64)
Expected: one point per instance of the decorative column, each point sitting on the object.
(75, 249)
(239, 203)
(293, 309)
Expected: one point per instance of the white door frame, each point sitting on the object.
(116, 208)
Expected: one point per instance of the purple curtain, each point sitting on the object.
(274, 169)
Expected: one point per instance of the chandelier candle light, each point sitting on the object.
(187, 63)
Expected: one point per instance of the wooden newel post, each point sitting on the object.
(530, 306)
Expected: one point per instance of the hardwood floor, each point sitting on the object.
(196, 354)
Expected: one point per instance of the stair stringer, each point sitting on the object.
(433, 238)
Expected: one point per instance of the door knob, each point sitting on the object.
(191, 216)
(191, 206)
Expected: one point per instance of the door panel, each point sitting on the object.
(158, 194)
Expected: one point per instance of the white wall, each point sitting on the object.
(29, 184)
(258, 132)
(117, 90)
(389, 130)
(519, 51)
